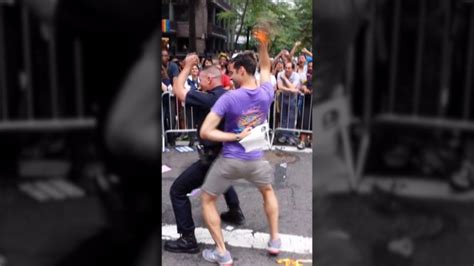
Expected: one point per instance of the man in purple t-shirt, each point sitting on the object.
(242, 109)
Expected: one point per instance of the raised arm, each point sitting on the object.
(307, 52)
(265, 64)
(293, 50)
(178, 87)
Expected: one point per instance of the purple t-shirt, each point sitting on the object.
(242, 108)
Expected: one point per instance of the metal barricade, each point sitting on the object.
(176, 117)
(291, 113)
(31, 98)
(403, 104)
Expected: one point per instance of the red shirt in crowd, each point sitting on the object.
(226, 82)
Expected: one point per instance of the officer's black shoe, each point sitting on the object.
(184, 244)
(233, 216)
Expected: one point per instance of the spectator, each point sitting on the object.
(207, 62)
(305, 113)
(192, 82)
(171, 68)
(302, 68)
(226, 81)
(289, 84)
(278, 67)
(223, 61)
(284, 56)
(272, 79)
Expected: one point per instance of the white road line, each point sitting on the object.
(33, 192)
(291, 149)
(245, 238)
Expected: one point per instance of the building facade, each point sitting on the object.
(211, 34)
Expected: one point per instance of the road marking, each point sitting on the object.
(291, 149)
(54, 189)
(245, 238)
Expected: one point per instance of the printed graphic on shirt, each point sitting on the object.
(250, 118)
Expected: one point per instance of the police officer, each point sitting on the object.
(193, 176)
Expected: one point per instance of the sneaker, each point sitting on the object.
(282, 139)
(301, 145)
(273, 246)
(309, 143)
(212, 255)
(184, 244)
(463, 179)
(292, 141)
(233, 216)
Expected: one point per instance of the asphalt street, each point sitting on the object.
(294, 193)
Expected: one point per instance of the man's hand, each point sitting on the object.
(305, 90)
(191, 60)
(245, 132)
(288, 85)
(306, 51)
(210, 131)
(262, 35)
(293, 50)
(178, 85)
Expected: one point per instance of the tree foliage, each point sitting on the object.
(292, 22)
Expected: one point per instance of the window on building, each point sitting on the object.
(209, 13)
(182, 45)
(181, 13)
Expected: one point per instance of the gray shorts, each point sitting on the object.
(225, 170)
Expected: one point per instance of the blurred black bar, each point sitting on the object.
(3, 69)
(192, 117)
(310, 122)
(47, 125)
(369, 64)
(163, 128)
(445, 60)
(176, 117)
(27, 61)
(185, 110)
(349, 75)
(419, 55)
(394, 53)
(288, 112)
(468, 84)
(368, 87)
(302, 111)
(78, 77)
(426, 122)
(53, 70)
